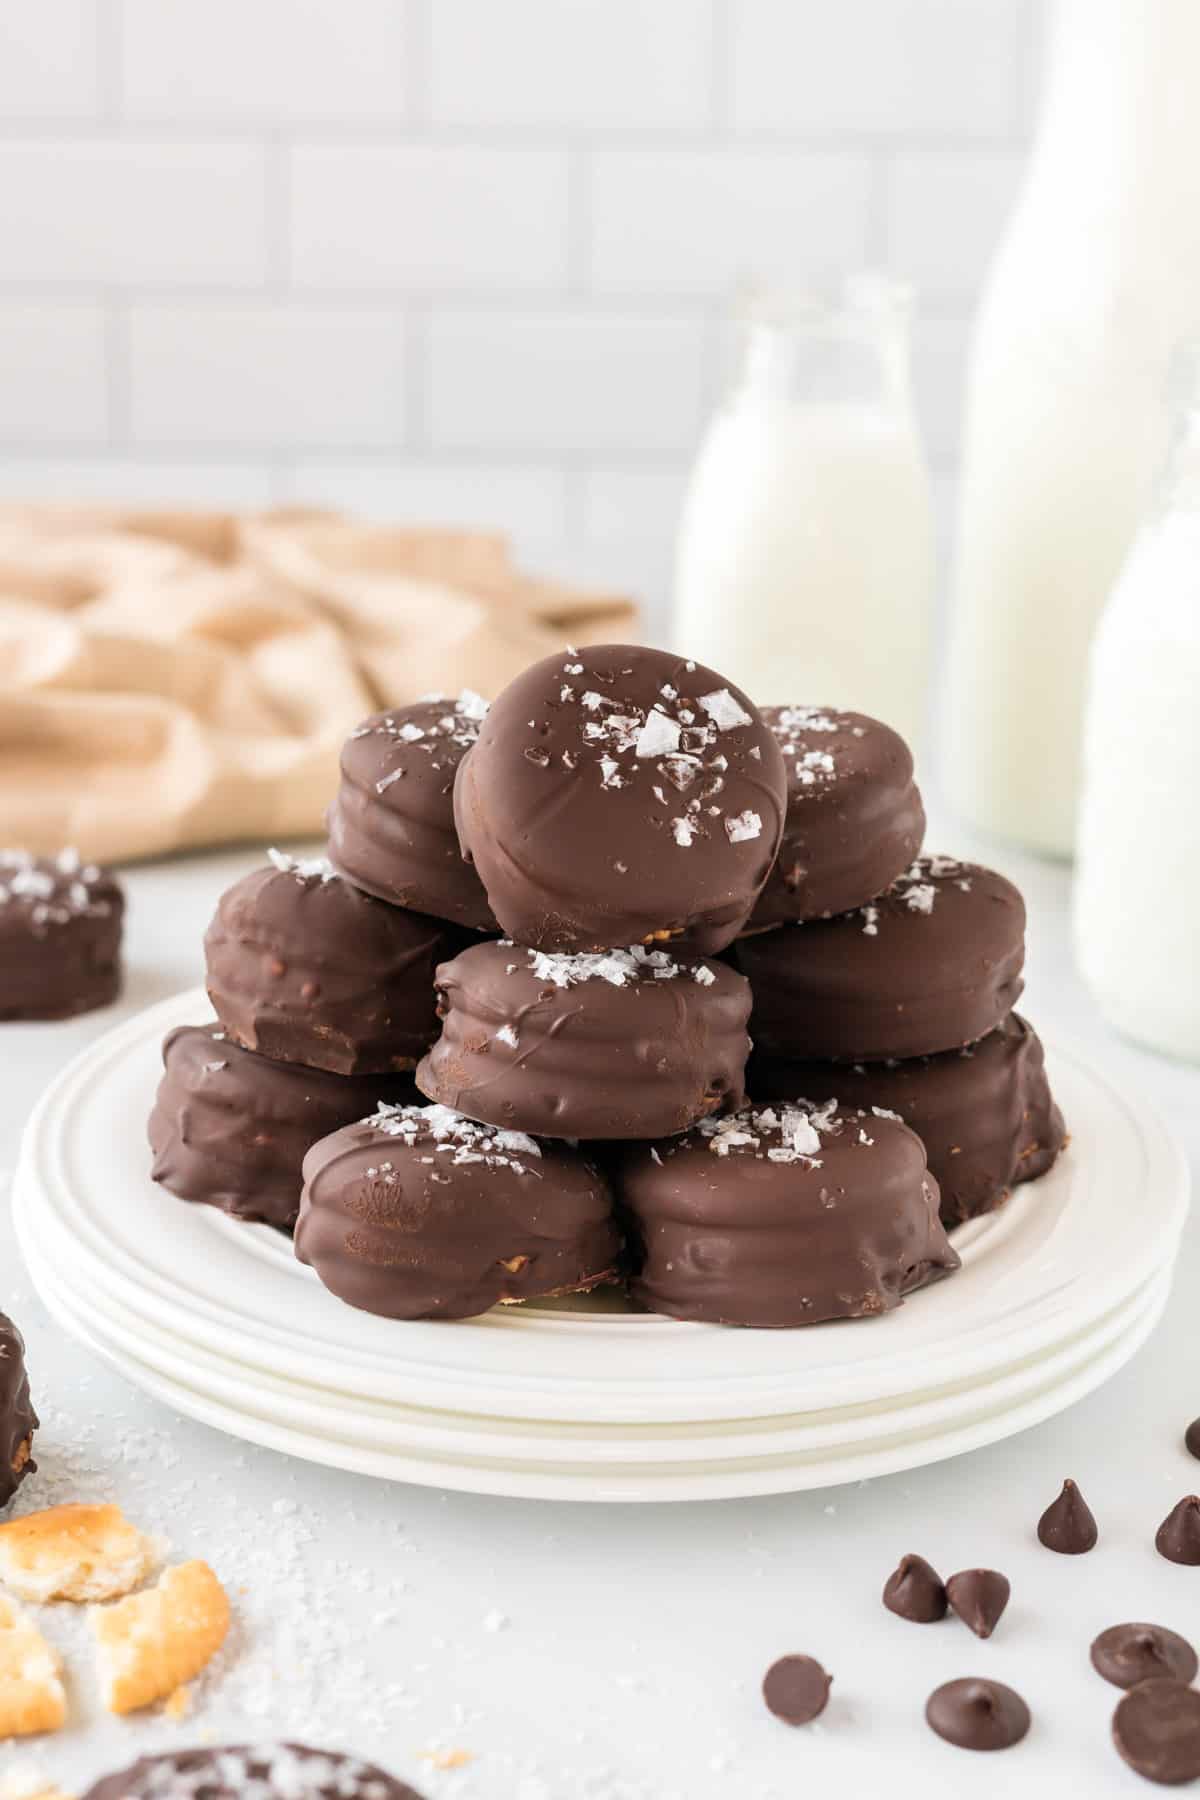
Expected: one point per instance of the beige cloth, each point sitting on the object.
(177, 679)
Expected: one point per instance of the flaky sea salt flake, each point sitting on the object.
(724, 710)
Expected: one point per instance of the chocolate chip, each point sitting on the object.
(796, 1689)
(1191, 1438)
(1129, 1654)
(915, 1591)
(977, 1714)
(979, 1596)
(1178, 1537)
(1156, 1728)
(1067, 1524)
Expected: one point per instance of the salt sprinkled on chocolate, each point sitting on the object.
(465, 1139)
(683, 763)
(311, 868)
(798, 1129)
(391, 825)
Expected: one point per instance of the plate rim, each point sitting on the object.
(772, 1392)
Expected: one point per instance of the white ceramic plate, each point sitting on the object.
(407, 1430)
(645, 1480)
(1062, 1254)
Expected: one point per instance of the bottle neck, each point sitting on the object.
(852, 355)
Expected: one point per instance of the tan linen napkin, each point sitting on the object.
(178, 679)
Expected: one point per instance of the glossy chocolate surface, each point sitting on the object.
(619, 1044)
(230, 1128)
(250, 1772)
(60, 935)
(621, 795)
(18, 1421)
(933, 964)
(1132, 1653)
(391, 824)
(304, 967)
(1156, 1728)
(854, 816)
(419, 1213)
(782, 1216)
(978, 1715)
(984, 1113)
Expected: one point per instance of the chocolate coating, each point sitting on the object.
(915, 1591)
(268, 1771)
(984, 1113)
(780, 1217)
(933, 964)
(229, 1129)
(619, 795)
(1191, 1439)
(622, 1044)
(854, 815)
(977, 1714)
(419, 1213)
(1156, 1728)
(1178, 1537)
(796, 1689)
(1129, 1654)
(1067, 1525)
(306, 968)
(979, 1597)
(18, 1421)
(60, 935)
(391, 825)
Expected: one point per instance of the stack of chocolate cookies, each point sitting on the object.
(324, 992)
(555, 917)
(888, 978)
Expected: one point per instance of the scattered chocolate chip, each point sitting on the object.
(915, 1591)
(796, 1689)
(979, 1596)
(978, 1715)
(1191, 1438)
(1129, 1654)
(1156, 1728)
(1067, 1524)
(1178, 1537)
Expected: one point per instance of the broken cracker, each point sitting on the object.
(31, 1690)
(74, 1553)
(179, 1704)
(151, 1643)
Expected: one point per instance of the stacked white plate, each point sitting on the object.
(586, 1400)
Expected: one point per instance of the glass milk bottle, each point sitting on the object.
(804, 557)
(1136, 930)
(1096, 280)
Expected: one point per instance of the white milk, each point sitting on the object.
(804, 560)
(1095, 283)
(1136, 927)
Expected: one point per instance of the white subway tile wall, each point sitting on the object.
(468, 260)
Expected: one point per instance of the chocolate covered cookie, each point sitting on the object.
(18, 1421)
(933, 964)
(782, 1216)
(609, 1044)
(239, 1771)
(619, 795)
(60, 935)
(985, 1113)
(304, 967)
(420, 1213)
(229, 1129)
(391, 825)
(854, 816)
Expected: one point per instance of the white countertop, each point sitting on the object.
(615, 1653)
